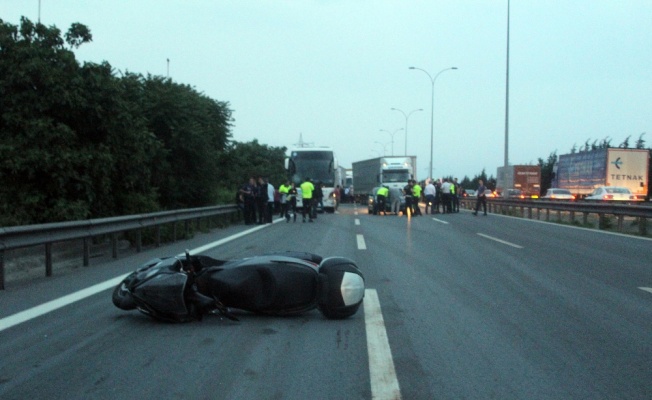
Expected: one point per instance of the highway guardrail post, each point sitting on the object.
(48, 259)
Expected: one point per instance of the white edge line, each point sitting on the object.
(594, 230)
(382, 374)
(647, 289)
(500, 241)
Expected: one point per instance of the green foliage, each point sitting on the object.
(547, 171)
(77, 141)
(252, 159)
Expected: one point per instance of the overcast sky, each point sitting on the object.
(332, 70)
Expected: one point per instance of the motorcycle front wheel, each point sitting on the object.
(122, 298)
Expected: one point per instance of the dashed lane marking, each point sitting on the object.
(440, 221)
(647, 289)
(382, 374)
(357, 221)
(500, 241)
(361, 244)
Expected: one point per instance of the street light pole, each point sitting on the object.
(432, 108)
(384, 147)
(406, 122)
(392, 135)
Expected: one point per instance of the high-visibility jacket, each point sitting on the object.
(283, 189)
(383, 191)
(306, 190)
(416, 191)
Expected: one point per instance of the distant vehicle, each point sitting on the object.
(558, 194)
(513, 194)
(489, 193)
(393, 172)
(583, 171)
(469, 193)
(613, 193)
(320, 165)
(526, 178)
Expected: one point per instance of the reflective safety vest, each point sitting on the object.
(383, 191)
(306, 190)
(283, 189)
(453, 188)
(416, 191)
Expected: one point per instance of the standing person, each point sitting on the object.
(416, 197)
(291, 203)
(407, 192)
(270, 201)
(446, 196)
(318, 199)
(430, 192)
(482, 198)
(438, 196)
(306, 194)
(338, 196)
(283, 190)
(248, 193)
(457, 192)
(261, 200)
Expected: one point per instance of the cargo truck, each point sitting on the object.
(519, 181)
(393, 172)
(582, 172)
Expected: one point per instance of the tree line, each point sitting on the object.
(81, 141)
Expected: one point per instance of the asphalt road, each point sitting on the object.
(471, 308)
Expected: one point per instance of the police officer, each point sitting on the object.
(381, 196)
(306, 193)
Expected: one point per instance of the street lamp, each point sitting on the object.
(432, 108)
(384, 147)
(406, 122)
(392, 135)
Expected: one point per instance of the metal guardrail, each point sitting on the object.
(533, 208)
(47, 234)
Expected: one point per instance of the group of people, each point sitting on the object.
(259, 200)
(433, 194)
(441, 196)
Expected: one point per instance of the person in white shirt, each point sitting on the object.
(430, 192)
(270, 202)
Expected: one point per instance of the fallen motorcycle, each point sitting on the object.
(181, 289)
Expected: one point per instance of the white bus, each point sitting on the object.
(320, 165)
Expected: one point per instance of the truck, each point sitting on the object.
(584, 171)
(393, 172)
(522, 181)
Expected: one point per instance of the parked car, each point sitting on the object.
(489, 193)
(469, 193)
(558, 194)
(613, 193)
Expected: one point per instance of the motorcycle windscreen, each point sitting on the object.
(163, 294)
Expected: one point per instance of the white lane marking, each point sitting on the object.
(382, 374)
(361, 244)
(357, 221)
(37, 311)
(220, 242)
(440, 221)
(500, 241)
(647, 289)
(45, 308)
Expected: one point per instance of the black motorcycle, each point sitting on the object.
(181, 289)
